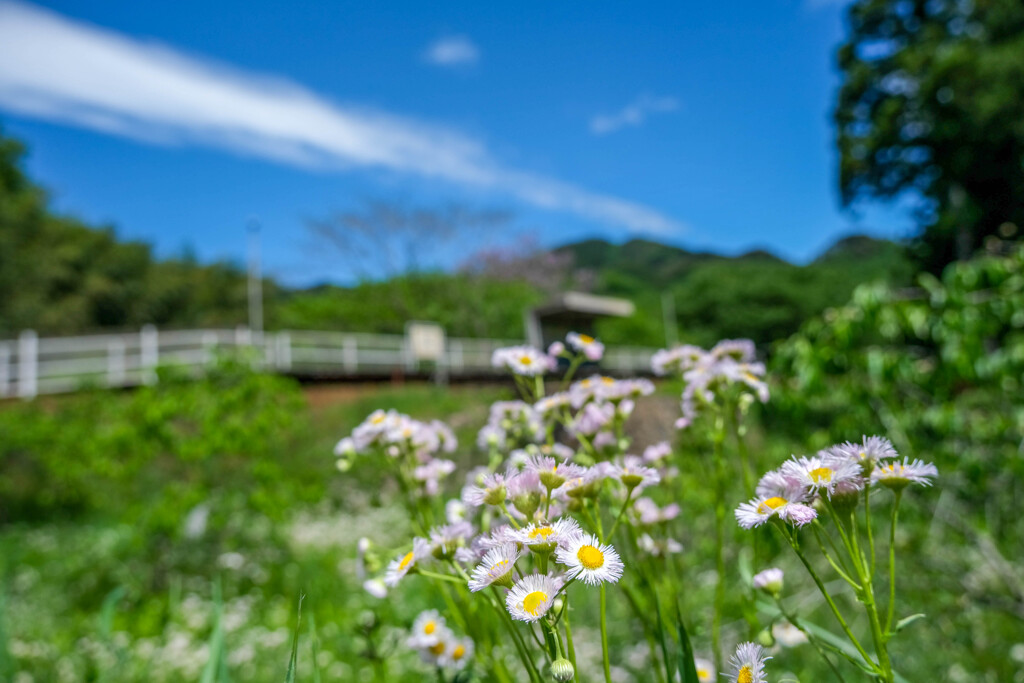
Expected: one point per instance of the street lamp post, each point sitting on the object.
(255, 283)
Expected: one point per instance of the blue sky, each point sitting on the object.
(700, 124)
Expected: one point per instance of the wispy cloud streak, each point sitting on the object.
(69, 72)
(452, 51)
(633, 114)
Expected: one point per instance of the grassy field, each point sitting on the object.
(168, 533)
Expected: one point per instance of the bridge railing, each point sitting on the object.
(30, 365)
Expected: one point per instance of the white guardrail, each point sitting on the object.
(30, 365)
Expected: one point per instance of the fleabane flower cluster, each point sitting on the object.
(437, 644)
(523, 360)
(510, 425)
(836, 476)
(709, 375)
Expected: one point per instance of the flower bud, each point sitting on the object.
(562, 671)
(769, 581)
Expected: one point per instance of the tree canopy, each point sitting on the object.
(932, 107)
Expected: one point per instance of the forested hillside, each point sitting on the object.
(61, 276)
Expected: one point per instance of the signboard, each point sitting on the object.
(426, 340)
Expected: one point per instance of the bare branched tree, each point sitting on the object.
(547, 270)
(383, 238)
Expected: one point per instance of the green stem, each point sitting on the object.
(568, 632)
(604, 636)
(867, 520)
(439, 577)
(625, 506)
(524, 653)
(831, 603)
(716, 620)
(791, 618)
(892, 561)
(828, 556)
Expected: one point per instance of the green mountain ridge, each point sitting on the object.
(60, 276)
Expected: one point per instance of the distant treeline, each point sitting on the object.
(61, 276)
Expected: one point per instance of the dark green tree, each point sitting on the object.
(932, 107)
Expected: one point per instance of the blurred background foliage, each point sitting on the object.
(134, 525)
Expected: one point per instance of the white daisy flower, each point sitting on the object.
(445, 540)
(553, 403)
(787, 635)
(457, 654)
(740, 350)
(544, 537)
(657, 452)
(747, 664)
(532, 596)
(522, 360)
(436, 653)
(705, 670)
(590, 560)
(496, 567)
(586, 485)
(585, 344)
(897, 475)
(376, 587)
(769, 581)
(635, 474)
(823, 473)
(401, 566)
(649, 513)
(659, 548)
(552, 473)
(761, 509)
(499, 536)
(427, 630)
(491, 491)
(676, 360)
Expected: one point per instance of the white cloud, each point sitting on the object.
(633, 114)
(69, 72)
(452, 51)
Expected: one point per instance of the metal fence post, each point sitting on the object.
(284, 351)
(28, 364)
(456, 359)
(350, 355)
(5, 370)
(149, 353)
(116, 370)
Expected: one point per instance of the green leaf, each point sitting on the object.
(289, 677)
(687, 666)
(212, 672)
(314, 643)
(907, 621)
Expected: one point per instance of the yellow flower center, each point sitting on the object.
(745, 675)
(500, 567)
(377, 419)
(585, 383)
(429, 627)
(590, 557)
(608, 381)
(769, 504)
(542, 532)
(586, 339)
(525, 360)
(438, 650)
(703, 673)
(459, 652)
(750, 376)
(533, 601)
(405, 561)
(820, 475)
